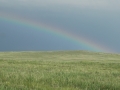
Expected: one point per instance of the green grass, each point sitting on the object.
(63, 70)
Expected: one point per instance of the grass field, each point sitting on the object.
(63, 70)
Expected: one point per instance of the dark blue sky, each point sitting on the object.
(96, 20)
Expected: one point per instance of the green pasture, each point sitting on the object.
(60, 70)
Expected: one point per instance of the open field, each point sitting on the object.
(63, 70)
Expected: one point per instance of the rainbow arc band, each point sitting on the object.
(55, 31)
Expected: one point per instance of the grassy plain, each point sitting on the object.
(63, 70)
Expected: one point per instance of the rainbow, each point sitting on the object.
(55, 31)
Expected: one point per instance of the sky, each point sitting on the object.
(47, 25)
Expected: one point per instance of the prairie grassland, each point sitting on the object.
(63, 70)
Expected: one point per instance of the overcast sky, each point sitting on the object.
(96, 20)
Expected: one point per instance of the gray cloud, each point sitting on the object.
(97, 19)
(93, 4)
